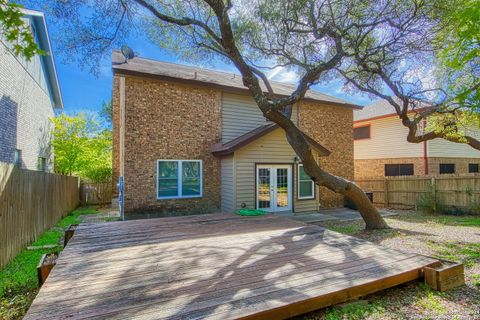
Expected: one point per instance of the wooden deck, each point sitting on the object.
(217, 266)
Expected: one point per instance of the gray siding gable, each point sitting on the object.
(240, 114)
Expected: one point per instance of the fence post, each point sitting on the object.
(385, 193)
(434, 194)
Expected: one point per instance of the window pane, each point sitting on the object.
(191, 169)
(168, 187)
(446, 168)
(302, 174)
(406, 169)
(392, 170)
(167, 169)
(361, 133)
(473, 167)
(282, 187)
(191, 187)
(167, 179)
(264, 188)
(305, 189)
(191, 178)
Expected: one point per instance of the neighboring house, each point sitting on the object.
(187, 139)
(382, 149)
(29, 95)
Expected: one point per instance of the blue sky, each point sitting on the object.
(82, 90)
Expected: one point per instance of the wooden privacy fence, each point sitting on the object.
(404, 192)
(96, 193)
(30, 203)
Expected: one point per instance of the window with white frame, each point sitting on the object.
(179, 179)
(306, 186)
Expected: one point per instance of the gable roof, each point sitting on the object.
(38, 18)
(226, 81)
(376, 109)
(220, 149)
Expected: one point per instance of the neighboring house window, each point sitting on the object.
(395, 170)
(472, 167)
(17, 158)
(42, 164)
(179, 179)
(306, 186)
(447, 168)
(360, 133)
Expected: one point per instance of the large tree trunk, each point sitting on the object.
(370, 214)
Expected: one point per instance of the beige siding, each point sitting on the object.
(447, 149)
(271, 148)
(228, 184)
(388, 139)
(241, 114)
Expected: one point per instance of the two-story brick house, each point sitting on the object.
(382, 149)
(29, 95)
(187, 139)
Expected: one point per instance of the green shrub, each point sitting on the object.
(429, 202)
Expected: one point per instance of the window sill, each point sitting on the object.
(306, 198)
(186, 197)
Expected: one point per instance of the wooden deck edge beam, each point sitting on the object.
(333, 298)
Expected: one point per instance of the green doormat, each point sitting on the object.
(250, 212)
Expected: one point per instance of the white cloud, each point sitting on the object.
(282, 74)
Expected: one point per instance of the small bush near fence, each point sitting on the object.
(447, 194)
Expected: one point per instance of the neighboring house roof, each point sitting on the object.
(232, 81)
(379, 108)
(376, 110)
(225, 149)
(38, 19)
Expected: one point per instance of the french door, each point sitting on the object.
(274, 188)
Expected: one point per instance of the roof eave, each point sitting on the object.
(44, 39)
(118, 70)
(222, 150)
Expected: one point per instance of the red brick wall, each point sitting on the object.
(166, 120)
(331, 126)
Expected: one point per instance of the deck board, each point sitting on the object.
(217, 266)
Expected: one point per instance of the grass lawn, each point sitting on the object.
(454, 238)
(18, 279)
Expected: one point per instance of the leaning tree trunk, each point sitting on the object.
(349, 189)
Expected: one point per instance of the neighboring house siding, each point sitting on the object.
(240, 114)
(166, 120)
(331, 126)
(271, 148)
(26, 108)
(388, 139)
(228, 183)
(447, 149)
(388, 145)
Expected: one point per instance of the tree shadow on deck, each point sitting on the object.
(224, 275)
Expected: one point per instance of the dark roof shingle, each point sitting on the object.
(224, 80)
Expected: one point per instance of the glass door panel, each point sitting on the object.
(264, 196)
(274, 188)
(282, 200)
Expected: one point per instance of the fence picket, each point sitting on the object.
(403, 192)
(30, 203)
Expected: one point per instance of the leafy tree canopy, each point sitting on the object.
(16, 32)
(81, 147)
